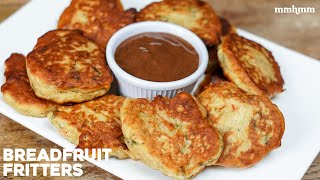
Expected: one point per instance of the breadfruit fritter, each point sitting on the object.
(170, 135)
(66, 67)
(251, 125)
(250, 66)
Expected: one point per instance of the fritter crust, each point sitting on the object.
(250, 66)
(170, 135)
(17, 91)
(251, 125)
(196, 15)
(66, 67)
(98, 19)
(93, 124)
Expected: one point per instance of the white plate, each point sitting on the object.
(300, 102)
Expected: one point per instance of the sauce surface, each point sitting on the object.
(158, 57)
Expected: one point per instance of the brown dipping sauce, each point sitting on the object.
(159, 57)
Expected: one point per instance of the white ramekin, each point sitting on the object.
(130, 86)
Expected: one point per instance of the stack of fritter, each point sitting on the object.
(68, 66)
(17, 91)
(65, 68)
(231, 123)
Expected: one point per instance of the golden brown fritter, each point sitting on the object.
(251, 125)
(170, 135)
(98, 19)
(250, 66)
(17, 91)
(195, 15)
(66, 67)
(93, 124)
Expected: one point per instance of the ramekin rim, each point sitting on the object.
(123, 75)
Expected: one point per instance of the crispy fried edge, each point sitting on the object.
(59, 96)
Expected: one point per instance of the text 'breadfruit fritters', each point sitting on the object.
(170, 135)
(250, 66)
(17, 91)
(93, 124)
(66, 67)
(195, 15)
(98, 19)
(251, 125)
